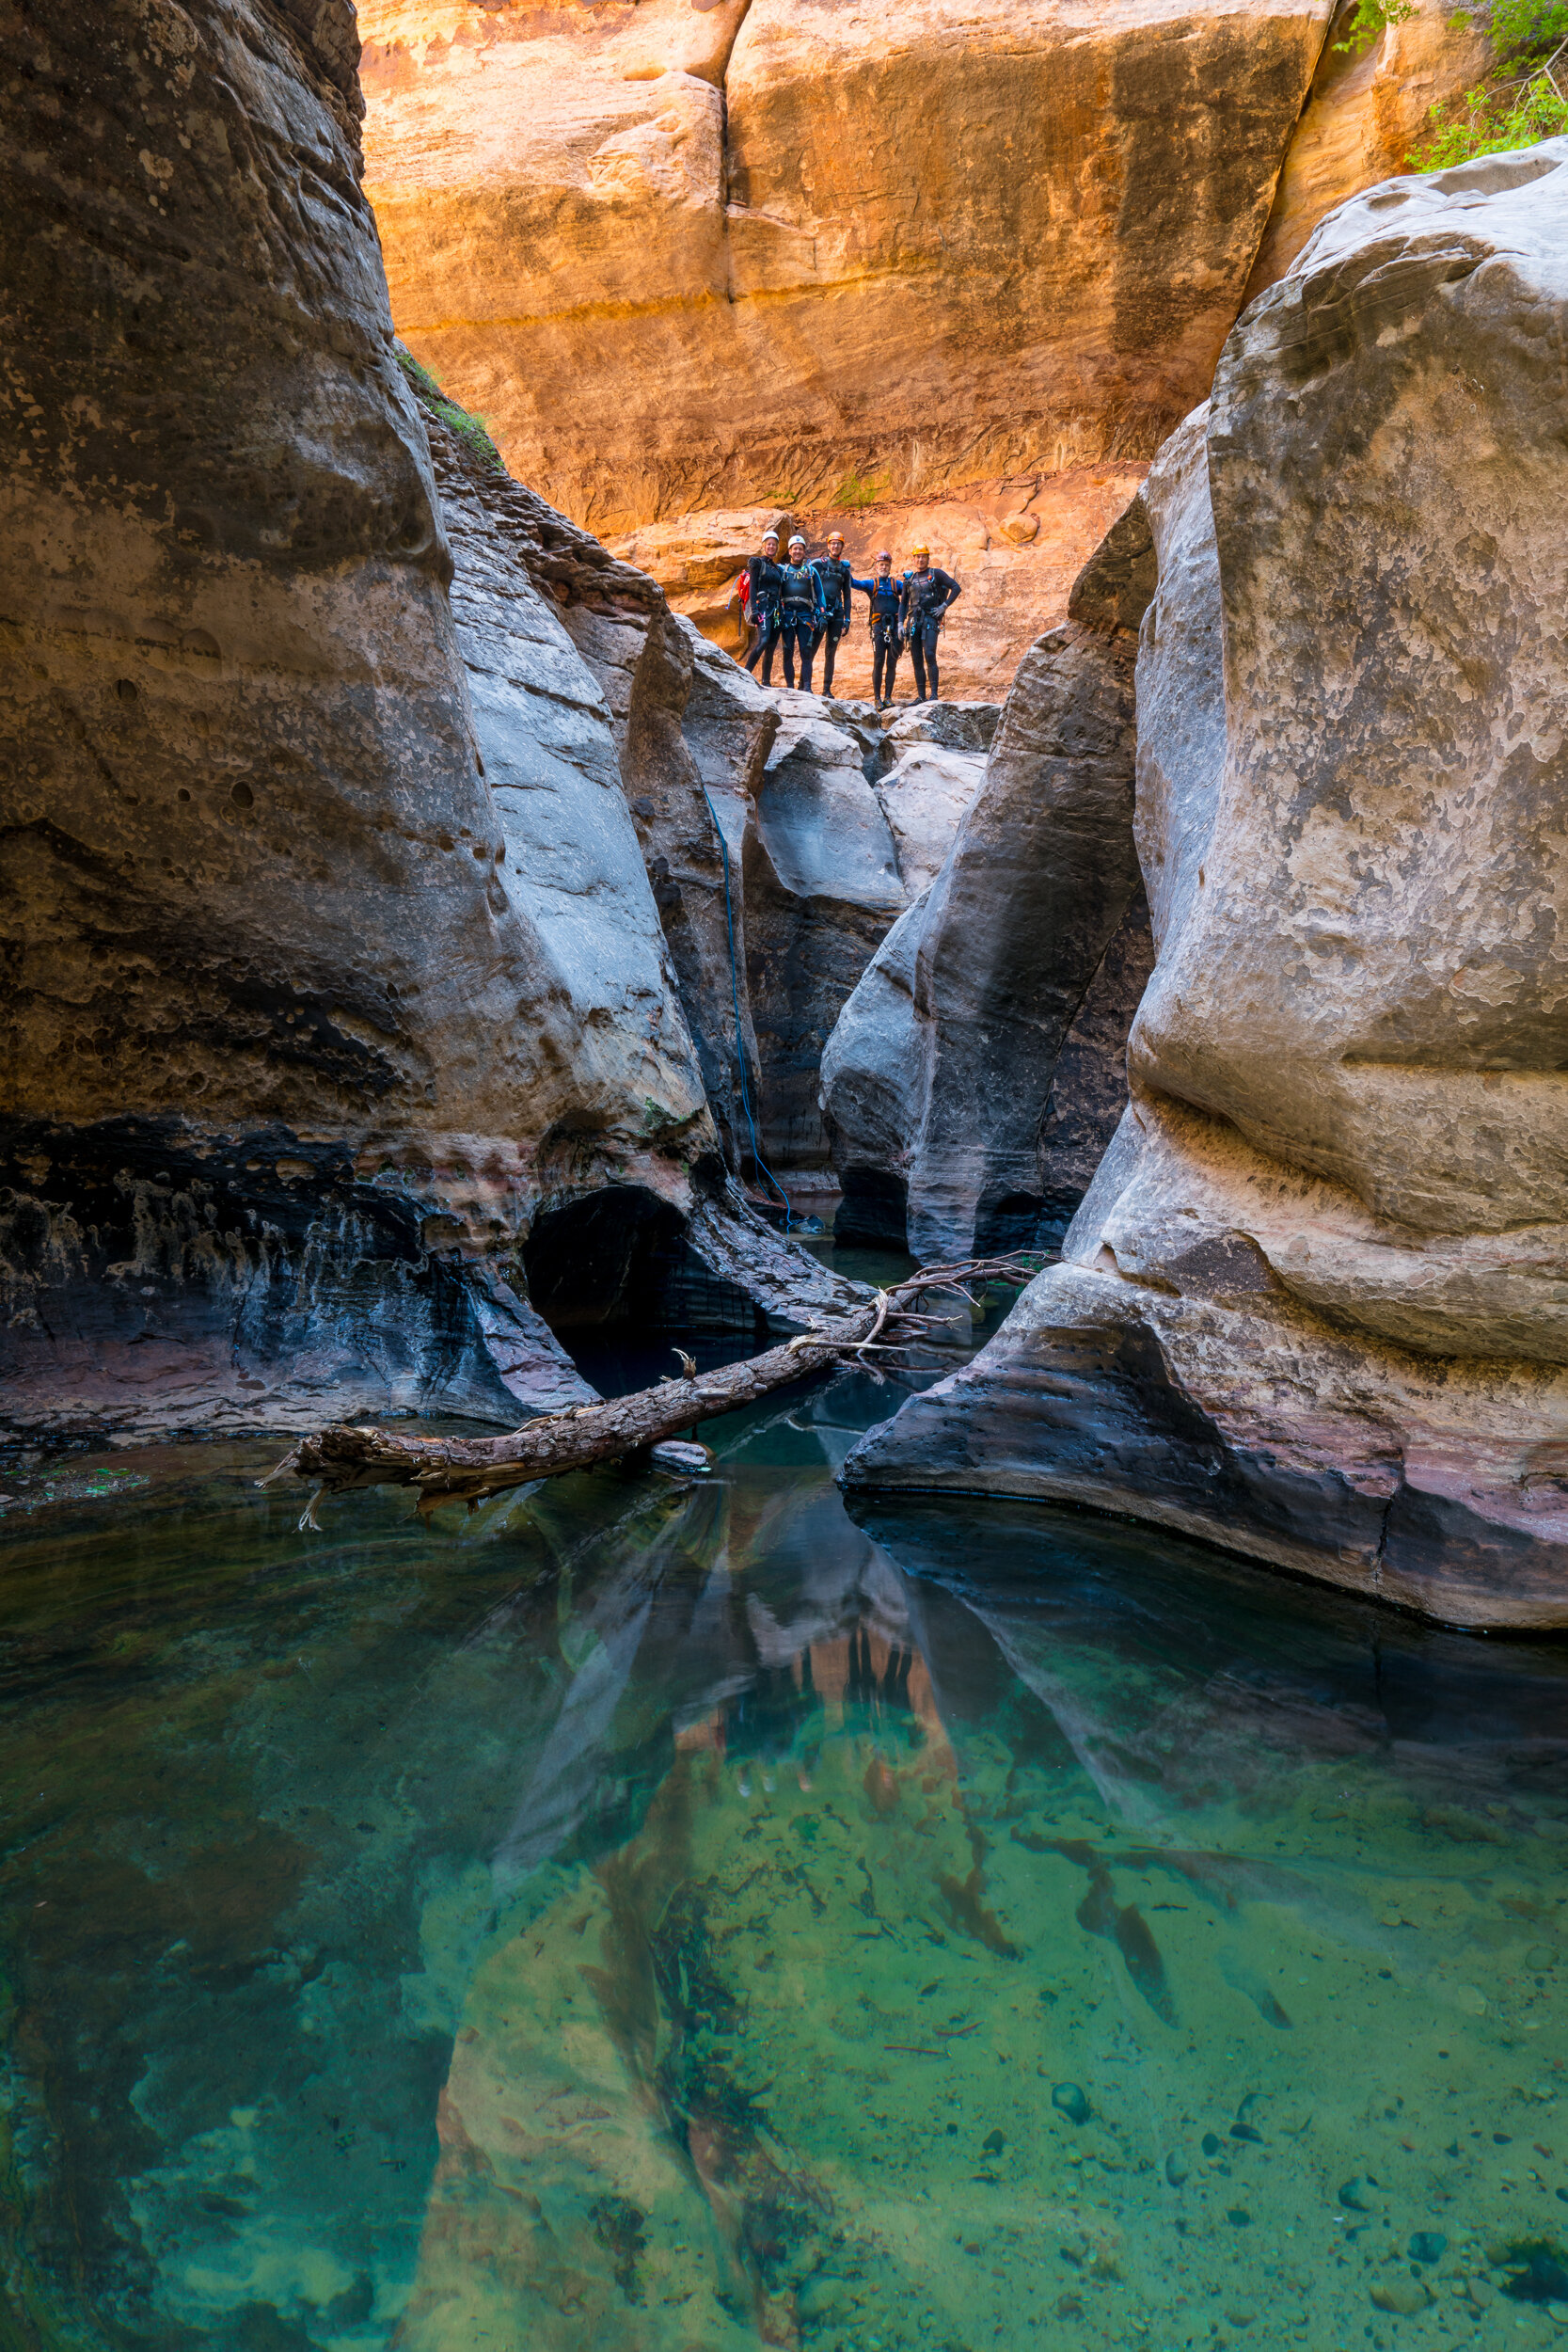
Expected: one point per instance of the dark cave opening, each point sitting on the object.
(874, 1211)
(621, 1287)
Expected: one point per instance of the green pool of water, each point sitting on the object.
(648, 1915)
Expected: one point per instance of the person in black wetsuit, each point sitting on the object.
(799, 610)
(927, 594)
(762, 604)
(837, 582)
(887, 620)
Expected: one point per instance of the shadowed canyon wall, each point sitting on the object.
(330, 947)
(1312, 1304)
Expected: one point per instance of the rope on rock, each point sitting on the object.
(739, 1040)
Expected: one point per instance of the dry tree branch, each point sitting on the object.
(469, 1469)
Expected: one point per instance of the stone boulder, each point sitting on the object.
(332, 956)
(978, 1072)
(953, 726)
(1312, 1308)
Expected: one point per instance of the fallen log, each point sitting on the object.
(470, 1470)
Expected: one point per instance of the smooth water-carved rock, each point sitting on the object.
(925, 796)
(977, 1073)
(686, 729)
(822, 889)
(1313, 1307)
(331, 954)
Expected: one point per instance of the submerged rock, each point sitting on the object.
(1310, 1307)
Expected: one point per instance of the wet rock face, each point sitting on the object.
(977, 1073)
(1032, 238)
(330, 948)
(1312, 1303)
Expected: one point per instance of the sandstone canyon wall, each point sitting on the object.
(1370, 106)
(686, 258)
(332, 958)
(939, 271)
(1311, 1307)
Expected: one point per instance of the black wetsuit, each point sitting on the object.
(762, 611)
(837, 582)
(887, 619)
(927, 598)
(800, 609)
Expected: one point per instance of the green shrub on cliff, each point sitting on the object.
(1520, 104)
(1372, 19)
(467, 428)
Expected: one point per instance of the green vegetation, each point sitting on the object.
(858, 490)
(1371, 18)
(467, 428)
(1522, 101)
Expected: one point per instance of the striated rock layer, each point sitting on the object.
(1313, 1303)
(332, 959)
(686, 258)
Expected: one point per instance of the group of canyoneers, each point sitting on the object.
(801, 606)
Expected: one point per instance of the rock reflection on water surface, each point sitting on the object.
(651, 1917)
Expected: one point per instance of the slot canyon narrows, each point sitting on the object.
(784, 1417)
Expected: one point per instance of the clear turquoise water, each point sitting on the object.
(647, 1916)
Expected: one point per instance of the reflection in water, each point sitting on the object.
(650, 1916)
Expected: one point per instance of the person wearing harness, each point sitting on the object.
(762, 604)
(800, 610)
(887, 619)
(837, 581)
(928, 595)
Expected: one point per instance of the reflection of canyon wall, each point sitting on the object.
(1312, 1306)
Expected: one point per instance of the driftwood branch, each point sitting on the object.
(469, 1469)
